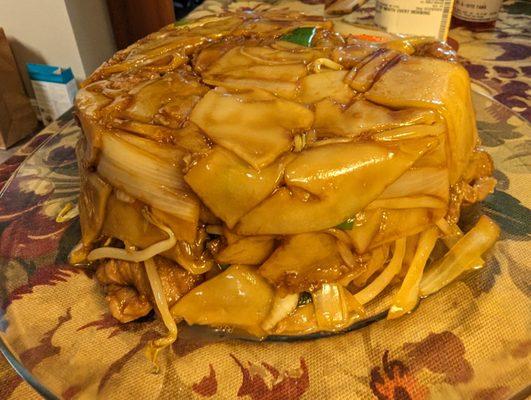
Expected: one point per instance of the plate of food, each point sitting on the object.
(238, 186)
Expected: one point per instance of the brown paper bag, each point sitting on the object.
(17, 119)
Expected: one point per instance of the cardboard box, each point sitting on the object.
(17, 119)
(55, 90)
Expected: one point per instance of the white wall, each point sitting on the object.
(66, 33)
(92, 30)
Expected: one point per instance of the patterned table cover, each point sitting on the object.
(499, 63)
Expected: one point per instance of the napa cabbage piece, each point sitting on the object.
(327, 84)
(155, 60)
(187, 139)
(229, 186)
(168, 47)
(300, 322)
(427, 181)
(94, 193)
(408, 202)
(90, 100)
(248, 250)
(146, 177)
(237, 60)
(303, 261)
(88, 104)
(337, 178)
(125, 221)
(172, 90)
(190, 139)
(173, 155)
(157, 133)
(434, 84)
(161, 45)
(462, 256)
(366, 225)
(437, 157)
(261, 67)
(353, 54)
(238, 297)
(278, 56)
(256, 126)
(411, 132)
(287, 90)
(397, 223)
(364, 76)
(128, 254)
(211, 53)
(363, 116)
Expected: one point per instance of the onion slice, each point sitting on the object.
(465, 254)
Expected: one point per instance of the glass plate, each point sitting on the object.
(56, 331)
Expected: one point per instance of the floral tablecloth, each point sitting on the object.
(435, 361)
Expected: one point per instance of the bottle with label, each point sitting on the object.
(415, 17)
(476, 14)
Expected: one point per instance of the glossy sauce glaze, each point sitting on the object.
(270, 159)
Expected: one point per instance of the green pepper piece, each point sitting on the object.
(223, 267)
(302, 36)
(347, 224)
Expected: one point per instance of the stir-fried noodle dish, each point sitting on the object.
(258, 171)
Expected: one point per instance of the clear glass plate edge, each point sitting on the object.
(5, 349)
